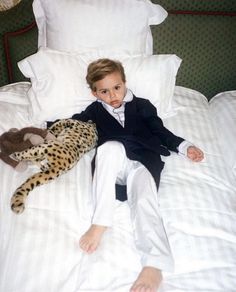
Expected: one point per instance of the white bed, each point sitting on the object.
(223, 112)
(39, 249)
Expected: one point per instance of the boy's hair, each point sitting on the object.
(100, 68)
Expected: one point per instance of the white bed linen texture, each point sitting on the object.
(223, 112)
(39, 249)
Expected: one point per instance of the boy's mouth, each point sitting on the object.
(115, 103)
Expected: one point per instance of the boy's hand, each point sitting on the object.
(195, 154)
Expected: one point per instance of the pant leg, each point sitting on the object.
(109, 165)
(150, 235)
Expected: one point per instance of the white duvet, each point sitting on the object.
(39, 249)
(224, 117)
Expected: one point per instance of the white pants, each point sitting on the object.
(112, 166)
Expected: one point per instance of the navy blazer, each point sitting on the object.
(144, 136)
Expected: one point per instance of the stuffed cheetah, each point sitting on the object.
(74, 138)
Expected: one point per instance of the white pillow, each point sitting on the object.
(87, 25)
(59, 87)
(14, 106)
(15, 92)
(152, 77)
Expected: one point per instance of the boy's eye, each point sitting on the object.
(104, 92)
(117, 87)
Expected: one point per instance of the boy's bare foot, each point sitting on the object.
(148, 280)
(91, 239)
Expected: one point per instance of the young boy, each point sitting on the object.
(131, 140)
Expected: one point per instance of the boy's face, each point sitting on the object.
(111, 89)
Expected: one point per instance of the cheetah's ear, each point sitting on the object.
(90, 121)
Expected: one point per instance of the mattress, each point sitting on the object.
(39, 249)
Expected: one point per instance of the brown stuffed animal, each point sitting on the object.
(18, 140)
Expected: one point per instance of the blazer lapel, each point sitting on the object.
(107, 121)
(130, 115)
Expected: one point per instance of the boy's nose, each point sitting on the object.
(112, 94)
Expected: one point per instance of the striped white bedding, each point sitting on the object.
(223, 112)
(39, 249)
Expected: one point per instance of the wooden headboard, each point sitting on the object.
(202, 34)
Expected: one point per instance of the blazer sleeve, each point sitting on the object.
(155, 124)
(86, 115)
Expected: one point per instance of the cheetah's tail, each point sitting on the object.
(20, 195)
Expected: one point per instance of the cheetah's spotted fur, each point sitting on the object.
(74, 138)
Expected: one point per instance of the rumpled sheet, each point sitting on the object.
(39, 249)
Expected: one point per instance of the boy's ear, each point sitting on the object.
(94, 93)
